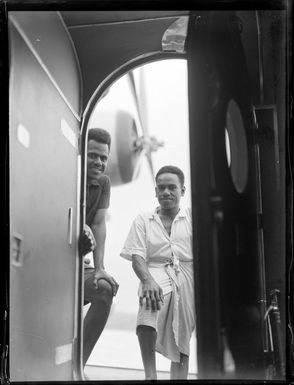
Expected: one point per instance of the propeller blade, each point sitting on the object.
(132, 83)
(142, 107)
(150, 163)
(143, 100)
(138, 164)
(138, 89)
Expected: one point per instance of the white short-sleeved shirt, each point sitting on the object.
(149, 239)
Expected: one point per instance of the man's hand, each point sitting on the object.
(101, 274)
(87, 241)
(152, 293)
(87, 262)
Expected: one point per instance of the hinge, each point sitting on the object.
(217, 209)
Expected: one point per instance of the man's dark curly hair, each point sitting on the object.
(172, 170)
(100, 135)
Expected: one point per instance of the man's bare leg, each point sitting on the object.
(179, 370)
(97, 315)
(147, 340)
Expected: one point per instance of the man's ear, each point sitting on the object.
(156, 192)
(183, 189)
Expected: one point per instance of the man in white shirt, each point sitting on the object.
(159, 245)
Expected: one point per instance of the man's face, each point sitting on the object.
(97, 158)
(169, 191)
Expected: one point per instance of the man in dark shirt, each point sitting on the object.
(99, 286)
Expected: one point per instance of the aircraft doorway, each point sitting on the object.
(60, 62)
(157, 102)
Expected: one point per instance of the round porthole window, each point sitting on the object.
(236, 146)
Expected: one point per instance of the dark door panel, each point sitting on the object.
(229, 269)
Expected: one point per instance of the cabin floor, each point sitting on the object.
(113, 373)
(116, 356)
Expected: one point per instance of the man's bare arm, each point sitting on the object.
(151, 291)
(99, 231)
(87, 241)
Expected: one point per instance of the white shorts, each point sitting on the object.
(149, 317)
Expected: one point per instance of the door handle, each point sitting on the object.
(16, 249)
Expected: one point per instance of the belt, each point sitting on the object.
(174, 262)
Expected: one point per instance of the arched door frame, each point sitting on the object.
(102, 87)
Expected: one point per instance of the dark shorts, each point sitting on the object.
(88, 275)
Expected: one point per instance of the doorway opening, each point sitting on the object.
(146, 113)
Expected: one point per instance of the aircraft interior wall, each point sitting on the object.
(43, 175)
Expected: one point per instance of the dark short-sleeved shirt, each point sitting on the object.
(98, 196)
